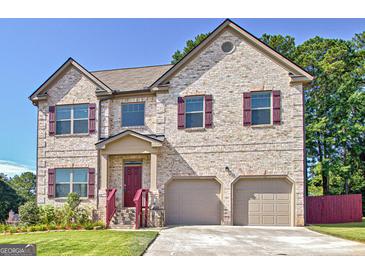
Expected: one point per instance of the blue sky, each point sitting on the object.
(32, 49)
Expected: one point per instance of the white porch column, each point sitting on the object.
(103, 172)
(153, 186)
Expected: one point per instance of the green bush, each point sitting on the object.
(99, 224)
(23, 229)
(74, 226)
(47, 214)
(59, 215)
(32, 228)
(29, 213)
(89, 226)
(13, 229)
(73, 200)
(52, 227)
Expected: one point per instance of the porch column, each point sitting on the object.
(153, 186)
(104, 172)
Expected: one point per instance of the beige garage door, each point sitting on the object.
(193, 202)
(262, 202)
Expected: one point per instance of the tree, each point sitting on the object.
(285, 45)
(24, 185)
(190, 44)
(9, 198)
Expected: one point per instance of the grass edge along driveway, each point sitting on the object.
(349, 231)
(85, 243)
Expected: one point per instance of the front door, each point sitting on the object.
(132, 182)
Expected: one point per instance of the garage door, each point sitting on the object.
(262, 202)
(193, 202)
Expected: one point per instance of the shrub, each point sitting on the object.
(29, 213)
(88, 226)
(73, 200)
(24, 229)
(59, 215)
(47, 214)
(74, 226)
(82, 215)
(52, 227)
(13, 229)
(42, 228)
(99, 224)
(32, 228)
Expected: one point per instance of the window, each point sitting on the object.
(71, 180)
(194, 111)
(261, 108)
(72, 119)
(132, 115)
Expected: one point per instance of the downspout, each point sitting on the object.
(98, 151)
(304, 162)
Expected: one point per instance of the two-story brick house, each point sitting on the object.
(217, 138)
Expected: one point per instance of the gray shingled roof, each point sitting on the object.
(130, 79)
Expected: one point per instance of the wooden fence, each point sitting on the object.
(334, 209)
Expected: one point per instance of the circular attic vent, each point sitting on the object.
(227, 47)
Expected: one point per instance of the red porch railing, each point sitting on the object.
(141, 201)
(110, 205)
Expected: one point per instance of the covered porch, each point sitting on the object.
(128, 167)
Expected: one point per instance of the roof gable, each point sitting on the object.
(41, 92)
(289, 65)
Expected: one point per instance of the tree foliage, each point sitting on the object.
(15, 192)
(190, 44)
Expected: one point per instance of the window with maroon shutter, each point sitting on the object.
(92, 124)
(246, 108)
(51, 182)
(208, 111)
(276, 107)
(52, 120)
(91, 190)
(180, 112)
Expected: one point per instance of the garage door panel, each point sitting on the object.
(198, 202)
(262, 202)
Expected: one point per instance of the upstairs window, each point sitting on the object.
(261, 108)
(194, 111)
(71, 180)
(133, 115)
(72, 119)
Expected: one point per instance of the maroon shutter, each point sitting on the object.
(92, 108)
(276, 107)
(91, 191)
(208, 111)
(246, 108)
(180, 112)
(52, 120)
(51, 182)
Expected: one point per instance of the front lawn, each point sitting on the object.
(91, 243)
(350, 231)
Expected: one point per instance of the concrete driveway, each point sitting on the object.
(235, 240)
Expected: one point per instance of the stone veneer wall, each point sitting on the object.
(65, 151)
(150, 114)
(270, 150)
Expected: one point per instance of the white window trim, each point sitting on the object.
(264, 108)
(203, 112)
(72, 119)
(144, 114)
(71, 182)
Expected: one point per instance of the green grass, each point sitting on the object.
(350, 231)
(91, 243)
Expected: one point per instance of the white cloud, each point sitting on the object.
(11, 168)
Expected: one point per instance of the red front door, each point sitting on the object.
(132, 182)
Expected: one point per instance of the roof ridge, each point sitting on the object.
(131, 68)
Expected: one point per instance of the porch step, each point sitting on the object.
(125, 216)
